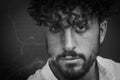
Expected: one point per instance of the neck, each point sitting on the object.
(93, 73)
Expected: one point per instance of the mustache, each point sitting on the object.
(71, 53)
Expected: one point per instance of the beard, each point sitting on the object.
(70, 73)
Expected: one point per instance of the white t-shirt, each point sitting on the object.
(108, 70)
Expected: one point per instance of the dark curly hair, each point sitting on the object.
(41, 10)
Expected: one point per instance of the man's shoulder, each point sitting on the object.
(111, 66)
(44, 73)
(36, 76)
(110, 62)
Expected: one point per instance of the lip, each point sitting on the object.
(69, 58)
(72, 60)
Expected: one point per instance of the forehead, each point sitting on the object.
(67, 15)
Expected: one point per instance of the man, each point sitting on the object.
(75, 29)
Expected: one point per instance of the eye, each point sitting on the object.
(55, 28)
(81, 27)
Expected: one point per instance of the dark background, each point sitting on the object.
(22, 43)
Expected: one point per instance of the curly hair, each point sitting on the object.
(41, 10)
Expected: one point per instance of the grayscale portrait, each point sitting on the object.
(60, 40)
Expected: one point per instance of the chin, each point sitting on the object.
(73, 72)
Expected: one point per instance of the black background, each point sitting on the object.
(22, 43)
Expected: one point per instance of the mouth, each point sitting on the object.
(71, 61)
(70, 58)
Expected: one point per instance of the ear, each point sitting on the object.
(103, 30)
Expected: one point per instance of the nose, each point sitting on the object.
(68, 40)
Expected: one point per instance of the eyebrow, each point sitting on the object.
(58, 24)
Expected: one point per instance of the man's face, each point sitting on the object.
(73, 47)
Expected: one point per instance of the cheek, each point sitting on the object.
(87, 44)
(54, 44)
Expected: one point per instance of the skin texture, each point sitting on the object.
(73, 48)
